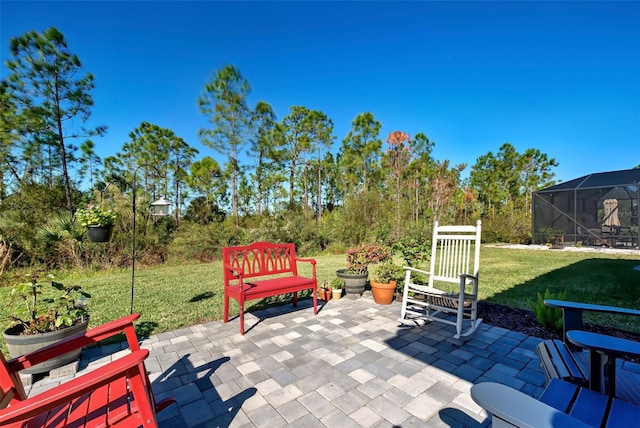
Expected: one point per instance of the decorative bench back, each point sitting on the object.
(260, 259)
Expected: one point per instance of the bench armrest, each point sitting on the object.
(233, 270)
(572, 313)
(80, 340)
(518, 409)
(313, 264)
(129, 365)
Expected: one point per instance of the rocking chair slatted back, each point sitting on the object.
(452, 247)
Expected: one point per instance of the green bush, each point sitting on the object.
(548, 316)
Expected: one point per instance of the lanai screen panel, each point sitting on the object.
(599, 209)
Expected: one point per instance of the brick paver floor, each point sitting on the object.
(352, 365)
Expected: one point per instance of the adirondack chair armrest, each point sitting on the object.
(33, 406)
(572, 313)
(511, 407)
(80, 340)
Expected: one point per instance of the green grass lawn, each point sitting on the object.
(170, 297)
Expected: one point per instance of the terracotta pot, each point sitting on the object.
(325, 294)
(383, 293)
(337, 293)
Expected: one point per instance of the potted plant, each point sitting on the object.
(337, 284)
(358, 259)
(45, 316)
(98, 221)
(384, 277)
(325, 292)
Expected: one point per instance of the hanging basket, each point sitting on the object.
(99, 233)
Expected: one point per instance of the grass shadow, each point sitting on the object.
(202, 296)
(611, 282)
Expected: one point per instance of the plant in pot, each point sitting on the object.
(358, 260)
(44, 316)
(98, 221)
(384, 277)
(337, 284)
(325, 292)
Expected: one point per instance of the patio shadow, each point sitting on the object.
(197, 399)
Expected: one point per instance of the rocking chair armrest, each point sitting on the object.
(74, 388)
(412, 269)
(519, 409)
(465, 276)
(80, 340)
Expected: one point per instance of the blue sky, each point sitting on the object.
(562, 77)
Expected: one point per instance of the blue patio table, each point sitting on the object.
(603, 351)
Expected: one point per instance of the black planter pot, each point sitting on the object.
(354, 283)
(99, 233)
(19, 345)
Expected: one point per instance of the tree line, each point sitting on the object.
(281, 178)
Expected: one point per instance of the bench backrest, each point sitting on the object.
(260, 259)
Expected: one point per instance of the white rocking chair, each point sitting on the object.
(455, 259)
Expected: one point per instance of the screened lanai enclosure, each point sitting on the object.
(598, 209)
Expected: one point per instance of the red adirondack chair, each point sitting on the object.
(117, 394)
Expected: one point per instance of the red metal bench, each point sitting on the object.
(116, 394)
(264, 269)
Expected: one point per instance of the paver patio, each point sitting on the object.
(352, 365)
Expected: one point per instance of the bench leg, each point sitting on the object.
(315, 302)
(241, 318)
(295, 299)
(225, 315)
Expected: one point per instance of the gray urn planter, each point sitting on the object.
(353, 283)
(22, 344)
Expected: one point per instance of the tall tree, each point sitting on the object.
(321, 128)
(45, 79)
(398, 154)
(89, 161)
(264, 120)
(361, 147)
(294, 142)
(224, 100)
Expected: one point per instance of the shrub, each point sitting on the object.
(358, 258)
(548, 316)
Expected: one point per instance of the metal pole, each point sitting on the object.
(133, 250)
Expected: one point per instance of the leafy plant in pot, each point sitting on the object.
(384, 278)
(98, 221)
(337, 284)
(45, 316)
(358, 259)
